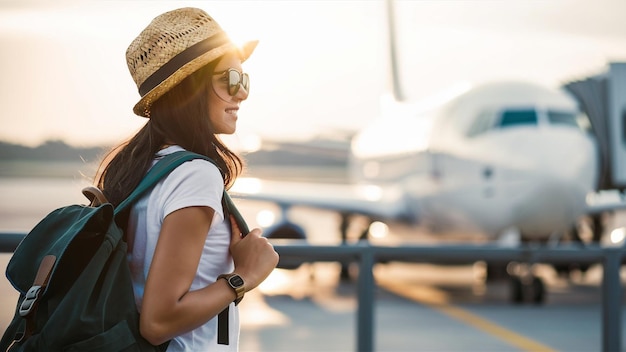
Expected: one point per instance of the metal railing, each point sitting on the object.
(295, 252)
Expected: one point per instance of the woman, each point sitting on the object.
(188, 262)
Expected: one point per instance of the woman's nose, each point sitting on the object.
(242, 93)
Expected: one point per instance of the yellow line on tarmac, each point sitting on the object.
(437, 300)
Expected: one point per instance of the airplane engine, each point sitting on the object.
(289, 231)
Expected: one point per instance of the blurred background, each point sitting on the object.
(320, 68)
(319, 74)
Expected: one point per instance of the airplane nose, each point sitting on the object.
(568, 174)
(573, 159)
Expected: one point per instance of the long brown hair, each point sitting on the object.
(181, 117)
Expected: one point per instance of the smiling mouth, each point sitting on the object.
(232, 111)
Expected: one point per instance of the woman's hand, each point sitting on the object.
(253, 254)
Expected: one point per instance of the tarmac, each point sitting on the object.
(456, 314)
(418, 307)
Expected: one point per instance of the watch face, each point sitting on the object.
(236, 281)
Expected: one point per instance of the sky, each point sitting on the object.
(320, 68)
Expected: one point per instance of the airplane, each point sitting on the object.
(503, 161)
(500, 158)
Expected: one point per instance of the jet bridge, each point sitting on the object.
(603, 99)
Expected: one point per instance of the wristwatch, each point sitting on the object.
(236, 282)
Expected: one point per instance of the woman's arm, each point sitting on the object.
(169, 308)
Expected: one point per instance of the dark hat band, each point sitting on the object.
(181, 60)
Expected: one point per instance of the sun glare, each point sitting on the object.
(379, 229)
(265, 218)
(300, 67)
(247, 185)
(618, 235)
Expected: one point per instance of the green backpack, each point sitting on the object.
(72, 274)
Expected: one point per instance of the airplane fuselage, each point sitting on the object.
(508, 155)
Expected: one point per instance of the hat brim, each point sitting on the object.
(142, 108)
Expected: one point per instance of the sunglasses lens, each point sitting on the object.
(234, 79)
(245, 82)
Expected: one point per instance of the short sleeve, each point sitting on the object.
(194, 183)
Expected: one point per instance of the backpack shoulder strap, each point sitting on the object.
(162, 168)
(166, 165)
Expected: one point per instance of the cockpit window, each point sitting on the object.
(518, 117)
(564, 118)
(493, 119)
(482, 123)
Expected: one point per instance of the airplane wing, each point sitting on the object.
(373, 201)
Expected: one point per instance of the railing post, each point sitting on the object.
(611, 305)
(365, 310)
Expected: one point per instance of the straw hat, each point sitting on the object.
(173, 46)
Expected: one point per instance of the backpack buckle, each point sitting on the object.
(29, 301)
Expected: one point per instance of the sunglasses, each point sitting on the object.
(235, 80)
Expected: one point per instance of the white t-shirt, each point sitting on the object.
(194, 183)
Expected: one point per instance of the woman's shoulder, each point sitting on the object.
(197, 182)
(199, 170)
